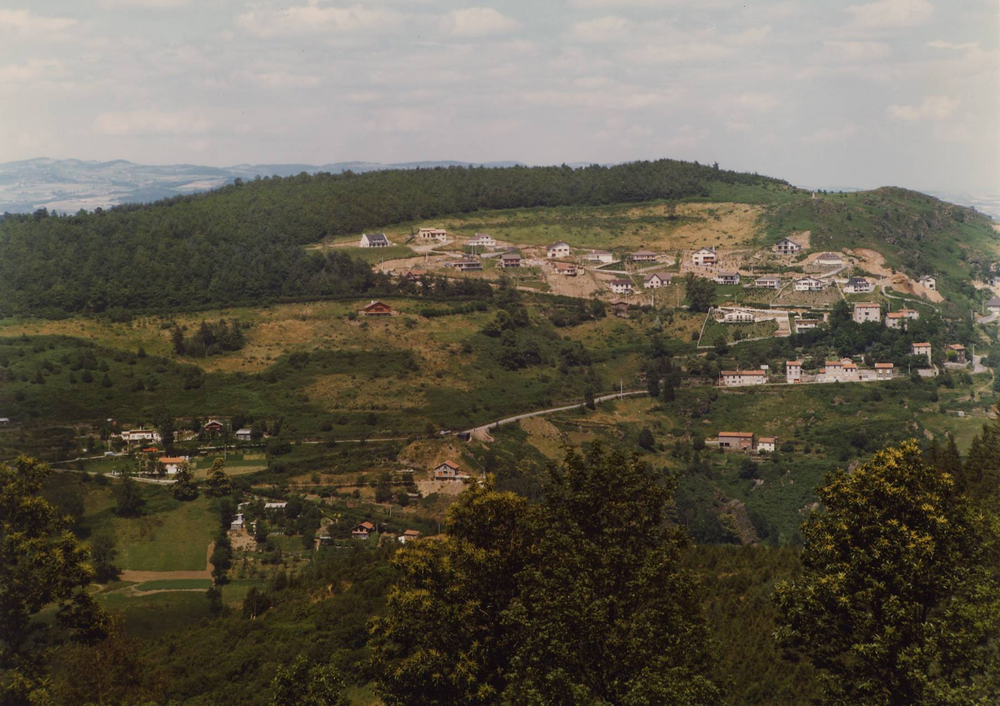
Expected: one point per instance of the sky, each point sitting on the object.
(822, 93)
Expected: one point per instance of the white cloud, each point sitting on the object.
(312, 19)
(651, 4)
(31, 70)
(151, 122)
(27, 23)
(680, 52)
(952, 133)
(602, 29)
(827, 135)
(751, 36)
(754, 102)
(155, 4)
(932, 108)
(478, 22)
(686, 136)
(892, 13)
(279, 79)
(404, 120)
(623, 97)
(966, 46)
(856, 51)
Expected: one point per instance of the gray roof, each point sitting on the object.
(376, 237)
(854, 281)
(995, 301)
(622, 282)
(511, 256)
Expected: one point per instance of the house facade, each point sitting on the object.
(793, 371)
(786, 247)
(829, 259)
(806, 324)
(959, 350)
(408, 536)
(510, 259)
(809, 284)
(767, 282)
(739, 316)
(857, 285)
(448, 470)
(244, 435)
(656, 280)
(644, 256)
(432, 234)
(621, 286)
(376, 309)
(921, 349)
(704, 256)
(741, 378)
(993, 305)
(602, 257)
(171, 465)
(374, 240)
(565, 268)
(482, 240)
(928, 282)
(767, 444)
(555, 250)
(466, 264)
(884, 371)
(867, 312)
(134, 436)
(736, 440)
(727, 278)
(362, 530)
(213, 426)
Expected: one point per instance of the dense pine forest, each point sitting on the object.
(243, 243)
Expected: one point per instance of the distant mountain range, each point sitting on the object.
(67, 185)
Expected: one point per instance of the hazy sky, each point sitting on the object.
(856, 93)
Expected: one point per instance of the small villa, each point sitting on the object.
(786, 246)
(374, 240)
(559, 249)
(704, 256)
(621, 286)
(727, 278)
(767, 282)
(644, 256)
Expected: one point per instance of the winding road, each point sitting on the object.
(483, 431)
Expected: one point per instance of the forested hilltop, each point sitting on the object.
(243, 243)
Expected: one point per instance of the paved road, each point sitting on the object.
(519, 417)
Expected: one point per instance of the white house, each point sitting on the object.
(809, 284)
(866, 311)
(806, 324)
(275, 505)
(767, 444)
(739, 378)
(447, 470)
(786, 247)
(621, 286)
(408, 536)
(739, 316)
(237, 524)
(432, 234)
(244, 435)
(559, 249)
(767, 282)
(857, 285)
(482, 240)
(704, 256)
(727, 278)
(844, 370)
(172, 464)
(644, 256)
(929, 282)
(829, 259)
(374, 240)
(140, 435)
(602, 256)
(921, 349)
(793, 371)
(656, 280)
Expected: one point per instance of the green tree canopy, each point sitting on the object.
(900, 600)
(41, 564)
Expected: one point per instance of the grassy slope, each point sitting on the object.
(169, 536)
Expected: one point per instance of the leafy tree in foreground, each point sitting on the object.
(576, 600)
(305, 684)
(604, 613)
(41, 564)
(900, 599)
(443, 640)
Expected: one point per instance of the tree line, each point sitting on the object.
(243, 243)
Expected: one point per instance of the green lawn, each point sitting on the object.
(169, 536)
(157, 614)
(174, 585)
